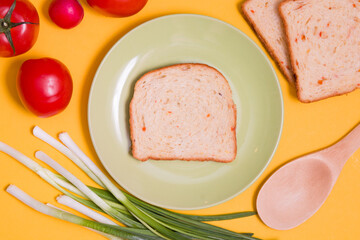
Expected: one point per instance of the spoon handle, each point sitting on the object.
(340, 152)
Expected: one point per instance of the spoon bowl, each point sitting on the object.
(298, 189)
(305, 183)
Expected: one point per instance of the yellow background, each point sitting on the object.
(307, 127)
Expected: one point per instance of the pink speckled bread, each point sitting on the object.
(184, 112)
(263, 16)
(324, 43)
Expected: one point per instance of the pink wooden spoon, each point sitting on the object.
(298, 189)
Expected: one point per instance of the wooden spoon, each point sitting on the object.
(298, 189)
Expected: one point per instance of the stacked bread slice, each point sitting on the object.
(265, 19)
(319, 39)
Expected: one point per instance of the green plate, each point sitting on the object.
(183, 38)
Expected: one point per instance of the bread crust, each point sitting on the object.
(266, 44)
(131, 117)
(288, 42)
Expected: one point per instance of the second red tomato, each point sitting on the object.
(45, 86)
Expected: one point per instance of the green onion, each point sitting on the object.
(151, 223)
(41, 134)
(123, 232)
(85, 190)
(65, 138)
(35, 167)
(143, 220)
(62, 182)
(177, 216)
(101, 233)
(105, 194)
(71, 203)
(190, 219)
(48, 176)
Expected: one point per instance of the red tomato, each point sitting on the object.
(118, 8)
(19, 27)
(44, 86)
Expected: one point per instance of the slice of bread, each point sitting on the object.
(183, 112)
(324, 42)
(263, 16)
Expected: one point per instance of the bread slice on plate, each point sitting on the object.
(183, 112)
(263, 16)
(324, 42)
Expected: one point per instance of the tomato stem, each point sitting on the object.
(6, 25)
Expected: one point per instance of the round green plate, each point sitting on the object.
(184, 38)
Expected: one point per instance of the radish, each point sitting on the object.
(66, 13)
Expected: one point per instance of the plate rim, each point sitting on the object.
(259, 49)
